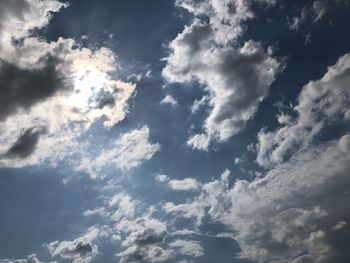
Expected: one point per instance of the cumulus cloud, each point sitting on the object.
(161, 178)
(26, 143)
(321, 104)
(29, 259)
(297, 211)
(168, 99)
(144, 242)
(22, 88)
(58, 85)
(127, 152)
(184, 185)
(80, 250)
(188, 247)
(237, 77)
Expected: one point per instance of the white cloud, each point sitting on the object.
(168, 99)
(199, 142)
(125, 206)
(289, 214)
(29, 259)
(188, 247)
(293, 212)
(236, 78)
(126, 153)
(70, 86)
(321, 104)
(80, 250)
(161, 178)
(144, 241)
(184, 185)
(197, 104)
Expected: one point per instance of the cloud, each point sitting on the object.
(197, 104)
(22, 88)
(294, 212)
(80, 250)
(26, 143)
(126, 153)
(236, 77)
(289, 215)
(30, 259)
(161, 178)
(124, 204)
(188, 247)
(22, 16)
(59, 85)
(321, 104)
(168, 99)
(184, 185)
(144, 242)
(199, 142)
(312, 12)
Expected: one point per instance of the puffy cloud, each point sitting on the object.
(194, 210)
(30, 259)
(197, 104)
(236, 78)
(188, 247)
(21, 88)
(161, 178)
(125, 206)
(127, 152)
(80, 250)
(26, 143)
(184, 185)
(58, 85)
(144, 242)
(291, 214)
(168, 99)
(297, 211)
(321, 105)
(19, 17)
(199, 142)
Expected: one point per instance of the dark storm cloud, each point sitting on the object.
(26, 143)
(22, 87)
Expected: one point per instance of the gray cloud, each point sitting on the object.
(102, 99)
(322, 104)
(26, 143)
(298, 211)
(144, 242)
(21, 88)
(15, 8)
(237, 77)
(80, 250)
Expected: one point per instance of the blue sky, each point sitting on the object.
(174, 131)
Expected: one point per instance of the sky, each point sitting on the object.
(177, 131)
